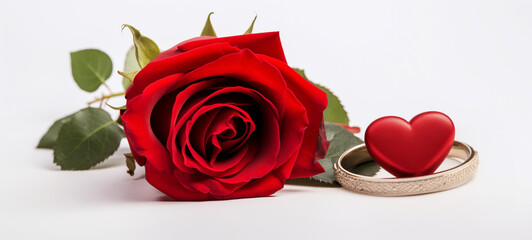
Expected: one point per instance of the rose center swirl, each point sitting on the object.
(216, 132)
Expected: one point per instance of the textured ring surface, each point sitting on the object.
(405, 186)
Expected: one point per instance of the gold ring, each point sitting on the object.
(405, 186)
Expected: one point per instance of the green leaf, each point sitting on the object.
(86, 139)
(335, 112)
(131, 68)
(208, 30)
(369, 169)
(340, 140)
(90, 68)
(250, 29)
(49, 139)
(145, 49)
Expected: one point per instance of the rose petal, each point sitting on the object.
(236, 65)
(292, 129)
(258, 163)
(267, 108)
(175, 50)
(205, 184)
(198, 139)
(189, 137)
(136, 121)
(161, 116)
(181, 63)
(267, 43)
(166, 182)
(315, 101)
(225, 133)
(275, 180)
(250, 70)
(262, 187)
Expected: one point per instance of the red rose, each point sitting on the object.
(220, 118)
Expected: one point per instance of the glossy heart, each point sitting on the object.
(407, 149)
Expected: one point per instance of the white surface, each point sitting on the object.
(469, 59)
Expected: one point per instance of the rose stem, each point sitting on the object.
(106, 97)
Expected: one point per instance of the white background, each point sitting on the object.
(469, 59)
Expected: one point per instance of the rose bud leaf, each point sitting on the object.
(49, 139)
(87, 138)
(116, 108)
(208, 29)
(145, 48)
(131, 68)
(340, 140)
(127, 78)
(250, 29)
(90, 68)
(335, 112)
(130, 163)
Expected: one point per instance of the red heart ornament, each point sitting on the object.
(408, 149)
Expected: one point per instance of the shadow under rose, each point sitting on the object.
(132, 189)
(137, 189)
(310, 182)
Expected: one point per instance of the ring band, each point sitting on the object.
(405, 186)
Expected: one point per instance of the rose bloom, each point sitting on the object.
(221, 118)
